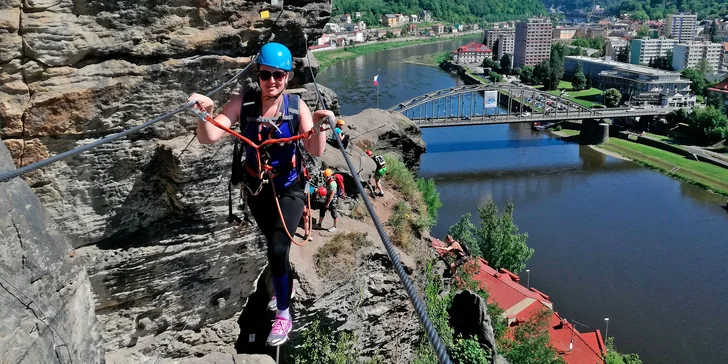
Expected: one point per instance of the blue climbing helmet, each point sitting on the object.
(276, 55)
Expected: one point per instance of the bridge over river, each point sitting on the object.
(467, 105)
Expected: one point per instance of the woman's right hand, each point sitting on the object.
(206, 102)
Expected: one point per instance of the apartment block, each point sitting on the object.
(491, 35)
(681, 27)
(506, 44)
(688, 55)
(642, 50)
(532, 42)
(615, 45)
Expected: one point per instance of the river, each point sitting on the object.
(611, 239)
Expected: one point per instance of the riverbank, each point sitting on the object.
(701, 174)
(327, 58)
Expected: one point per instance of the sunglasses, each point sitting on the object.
(266, 75)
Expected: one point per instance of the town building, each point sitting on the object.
(591, 31)
(720, 90)
(438, 29)
(346, 18)
(472, 53)
(724, 58)
(532, 42)
(614, 46)
(401, 19)
(357, 15)
(332, 28)
(506, 44)
(688, 55)
(564, 32)
(491, 35)
(414, 18)
(389, 20)
(642, 50)
(681, 27)
(640, 83)
(425, 15)
(520, 304)
(413, 30)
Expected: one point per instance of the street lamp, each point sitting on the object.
(606, 332)
(528, 274)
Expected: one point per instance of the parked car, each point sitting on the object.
(525, 114)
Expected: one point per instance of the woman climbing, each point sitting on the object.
(269, 114)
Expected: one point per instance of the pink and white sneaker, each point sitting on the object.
(279, 333)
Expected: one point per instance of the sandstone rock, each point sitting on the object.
(14, 97)
(372, 304)
(47, 299)
(220, 358)
(388, 132)
(469, 317)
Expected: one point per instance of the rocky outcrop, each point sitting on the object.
(219, 358)
(369, 302)
(45, 294)
(387, 132)
(146, 212)
(469, 318)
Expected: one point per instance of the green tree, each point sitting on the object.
(526, 75)
(715, 100)
(614, 357)
(699, 83)
(703, 67)
(469, 351)
(497, 239)
(495, 77)
(531, 342)
(579, 81)
(623, 54)
(541, 74)
(320, 345)
(676, 117)
(589, 81)
(709, 125)
(467, 234)
(505, 64)
(490, 63)
(612, 97)
(431, 197)
(643, 31)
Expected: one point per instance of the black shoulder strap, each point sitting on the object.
(250, 109)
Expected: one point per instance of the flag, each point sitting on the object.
(376, 80)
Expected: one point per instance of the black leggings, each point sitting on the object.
(265, 213)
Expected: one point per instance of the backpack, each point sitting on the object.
(465, 248)
(340, 191)
(379, 160)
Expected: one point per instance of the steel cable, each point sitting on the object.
(419, 306)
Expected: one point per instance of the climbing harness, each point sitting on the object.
(264, 171)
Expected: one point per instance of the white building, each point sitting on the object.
(642, 50)
(614, 46)
(414, 18)
(681, 27)
(332, 28)
(688, 55)
(506, 43)
(472, 53)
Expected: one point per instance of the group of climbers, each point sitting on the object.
(274, 128)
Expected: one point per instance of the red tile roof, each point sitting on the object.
(520, 304)
(474, 47)
(722, 87)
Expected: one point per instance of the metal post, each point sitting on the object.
(528, 274)
(606, 332)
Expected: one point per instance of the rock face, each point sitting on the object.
(469, 317)
(146, 212)
(371, 303)
(45, 293)
(388, 132)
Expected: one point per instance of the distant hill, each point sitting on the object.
(462, 11)
(647, 9)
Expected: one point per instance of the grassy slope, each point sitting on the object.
(327, 58)
(702, 174)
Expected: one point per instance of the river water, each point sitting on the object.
(611, 239)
